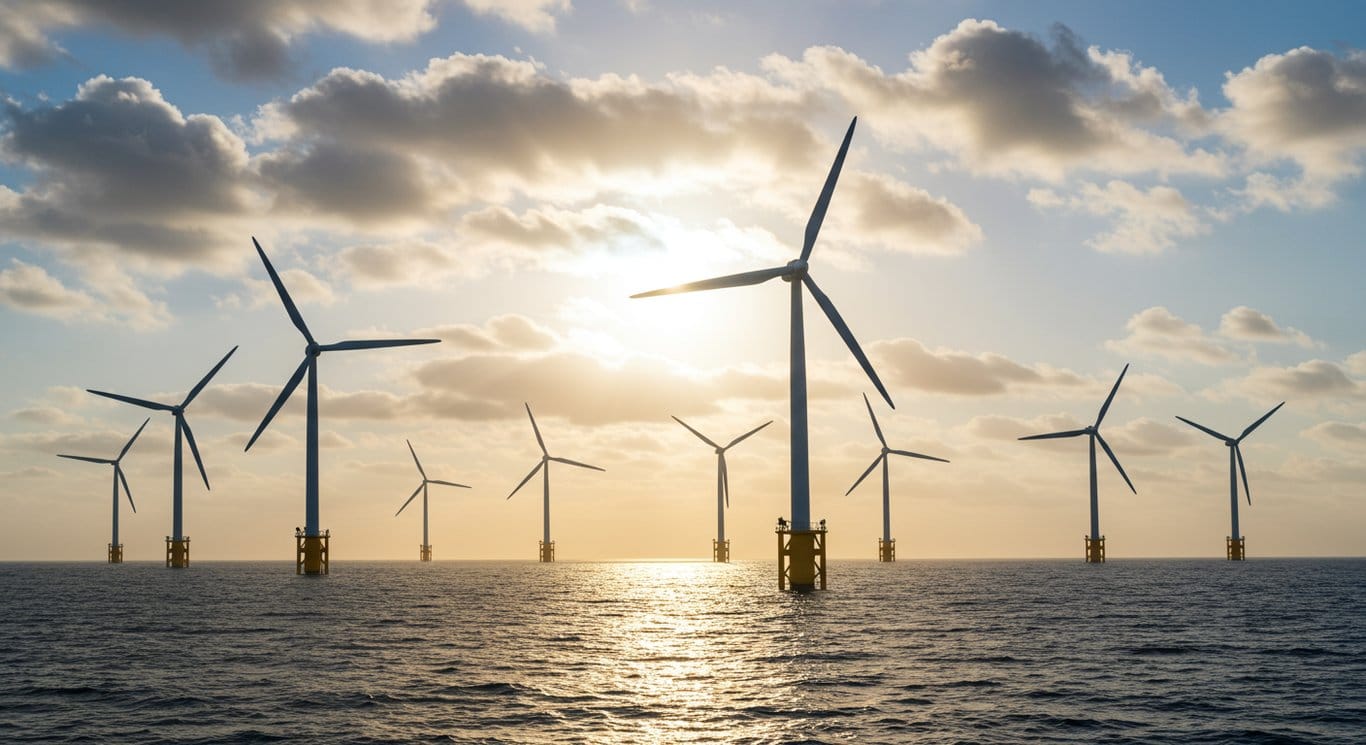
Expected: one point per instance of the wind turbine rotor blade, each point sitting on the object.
(528, 478)
(746, 435)
(700, 436)
(1258, 423)
(909, 454)
(132, 439)
(194, 450)
(205, 380)
(280, 400)
(535, 429)
(101, 461)
(415, 460)
(448, 483)
(576, 463)
(1055, 435)
(876, 429)
(127, 492)
(873, 465)
(1115, 461)
(1106, 407)
(725, 478)
(416, 491)
(1242, 469)
(290, 308)
(344, 346)
(134, 401)
(813, 224)
(847, 335)
(717, 283)
(1205, 429)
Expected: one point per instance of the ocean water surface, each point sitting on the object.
(1160, 651)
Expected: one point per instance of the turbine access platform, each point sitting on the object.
(801, 557)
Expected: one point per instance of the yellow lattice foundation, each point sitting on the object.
(1236, 548)
(424, 552)
(312, 552)
(1095, 550)
(116, 553)
(547, 551)
(801, 558)
(720, 550)
(177, 552)
(886, 550)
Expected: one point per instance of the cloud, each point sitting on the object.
(909, 363)
(1340, 435)
(47, 415)
(1248, 324)
(533, 15)
(1145, 222)
(898, 217)
(29, 288)
(1007, 104)
(1157, 331)
(1316, 379)
(1356, 364)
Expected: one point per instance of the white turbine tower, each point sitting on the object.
(720, 549)
(804, 550)
(547, 550)
(116, 548)
(1235, 545)
(425, 552)
(312, 550)
(886, 547)
(1095, 543)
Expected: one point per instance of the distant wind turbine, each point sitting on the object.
(547, 547)
(807, 566)
(311, 544)
(886, 548)
(1095, 544)
(116, 548)
(177, 544)
(425, 553)
(721, 547)
(1235, 544)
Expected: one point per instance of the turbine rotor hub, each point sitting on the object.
(312, 350)
(798, 268)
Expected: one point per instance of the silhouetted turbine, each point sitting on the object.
(422, 487)
(1235, 458)
(118, 477)
(882, 458)
(796, 272)
(181, 427)
(1093, 432)
(546, 458)
(309, 366)
(722, 475)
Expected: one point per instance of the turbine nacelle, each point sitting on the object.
(798, 267)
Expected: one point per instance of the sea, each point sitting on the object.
(1132, 651)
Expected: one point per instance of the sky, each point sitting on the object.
(1037, 194)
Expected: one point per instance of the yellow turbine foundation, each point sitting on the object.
(801, 558)
(1095, 550)
(116, 553)
(177, 552)
(424, 552)
(1236, 548)
(720, 550)
(547, 551)
(312, 552)
(886, 550)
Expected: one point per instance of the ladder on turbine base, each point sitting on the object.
(547, 551)
(720, 550)
(312, 552)
(1236, 548)
(886, 550)
(177, 552)
(424, 552)
(801, 557)
(1095, 550)
(116, 553)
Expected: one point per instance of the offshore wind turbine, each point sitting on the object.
(720, 547)
(425, 552)
(312, 545)
(1235, 544)
(116, 548)
(1095, 543)
(547, 549)
(801, 550)
(178, 544)
(886, 547)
